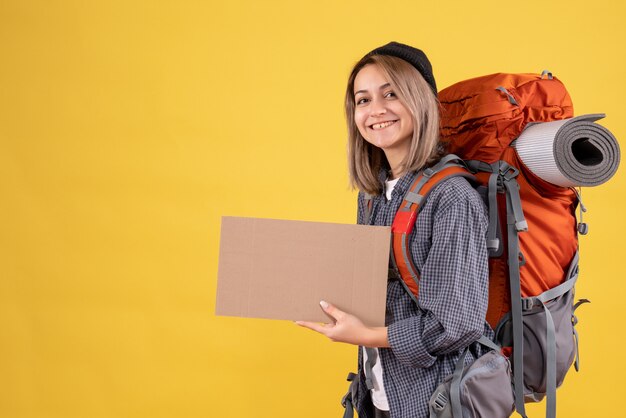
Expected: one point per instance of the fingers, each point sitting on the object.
(347, 328)
(321, 328)
(333, 311)
(325, 329)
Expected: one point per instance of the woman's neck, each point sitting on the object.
(395, 160)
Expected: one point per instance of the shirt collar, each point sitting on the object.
(403, 184)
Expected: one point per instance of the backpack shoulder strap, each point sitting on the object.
(367, 219)
(404, 221)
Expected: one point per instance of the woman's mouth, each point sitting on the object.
(383, 125)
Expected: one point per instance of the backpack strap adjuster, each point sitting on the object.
(414, 197)
(508, 171)
(528, 304)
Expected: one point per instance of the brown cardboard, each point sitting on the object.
(281, 269)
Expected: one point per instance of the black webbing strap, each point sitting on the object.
(348, 400)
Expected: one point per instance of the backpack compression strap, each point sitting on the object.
(404, 221)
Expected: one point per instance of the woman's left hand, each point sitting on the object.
(348, 329)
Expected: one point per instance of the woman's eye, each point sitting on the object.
(361, 101)
(390, 94)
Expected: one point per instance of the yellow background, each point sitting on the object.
(128, 128)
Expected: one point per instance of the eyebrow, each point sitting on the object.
(384, 86)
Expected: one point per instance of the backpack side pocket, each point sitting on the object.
(480, 390)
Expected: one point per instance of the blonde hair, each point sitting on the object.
(366, 160)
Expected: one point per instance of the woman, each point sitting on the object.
(393, 121)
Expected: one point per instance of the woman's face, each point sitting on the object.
(378, 113)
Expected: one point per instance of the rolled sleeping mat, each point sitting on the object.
(570, 152)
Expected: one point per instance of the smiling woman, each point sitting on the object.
(393, 123)
(382, 88)
(382, 119)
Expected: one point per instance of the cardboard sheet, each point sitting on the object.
(280, 269)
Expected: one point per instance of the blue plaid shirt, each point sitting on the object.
(449, 249)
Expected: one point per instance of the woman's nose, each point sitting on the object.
(378, 107)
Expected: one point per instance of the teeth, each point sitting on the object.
(383, 125)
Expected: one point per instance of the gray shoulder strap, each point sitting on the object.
(368, 210)
(488, 343)
(516, 307)
(455, 386)
(372, 355)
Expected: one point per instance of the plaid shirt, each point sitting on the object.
(449, 249)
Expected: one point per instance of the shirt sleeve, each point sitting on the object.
(453, 290)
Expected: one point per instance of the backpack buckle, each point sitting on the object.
(528, 304)
(440, 402)
(493, 244)
(509, 172)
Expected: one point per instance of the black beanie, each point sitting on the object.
(413, 56)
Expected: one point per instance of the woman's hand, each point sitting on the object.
(348, 329)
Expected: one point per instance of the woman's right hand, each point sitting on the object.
(347, 328)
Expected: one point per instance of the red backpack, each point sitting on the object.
(532, 235)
